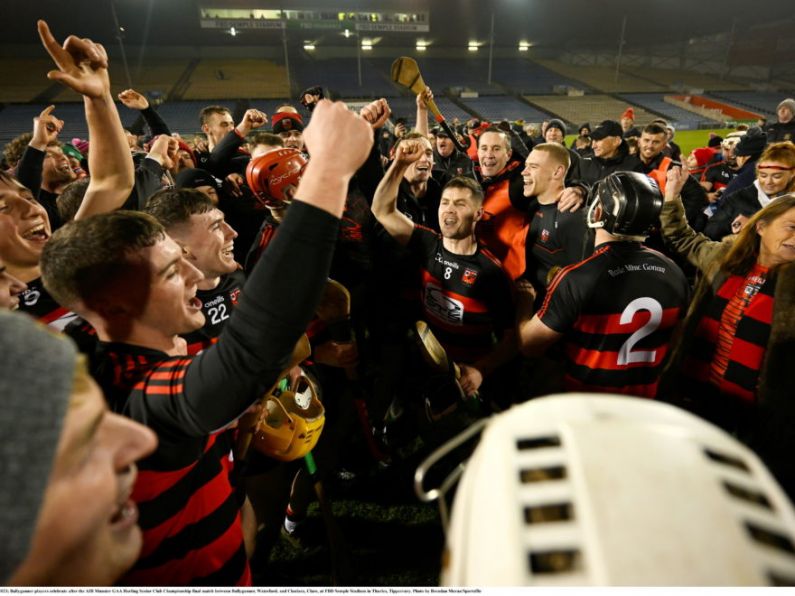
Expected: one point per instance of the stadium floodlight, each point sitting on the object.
(232, 31)
(473, 46)
(524, 46)
(367, 45)
(309, 46)
(347, 33)
(421, 46)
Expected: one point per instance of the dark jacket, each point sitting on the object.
(455, 164)
(743, 202)
(423, 211)
(745, 176)
(593, 169)
(781, 132)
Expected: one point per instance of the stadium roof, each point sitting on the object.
(453, 23)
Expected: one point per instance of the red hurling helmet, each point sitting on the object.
(271, 174)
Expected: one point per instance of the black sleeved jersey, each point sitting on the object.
(37, 302)
(217, 305)
(467, 300)
(555, 239)
(617, 310)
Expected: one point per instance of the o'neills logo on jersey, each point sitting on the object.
(469, 277)
(544, 235)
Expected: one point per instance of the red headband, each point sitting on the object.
(772, 167)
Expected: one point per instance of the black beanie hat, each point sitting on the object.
(752, 143)
(555, 123)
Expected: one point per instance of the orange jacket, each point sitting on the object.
(659, 174)
(503, 229)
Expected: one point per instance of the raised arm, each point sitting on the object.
(45, 131)
(83, 66)
(696, 248)
(135, 101)
(284, 288)
(226, 149)
(422, 110)
(384, 207)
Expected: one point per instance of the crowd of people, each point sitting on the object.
(176, 277)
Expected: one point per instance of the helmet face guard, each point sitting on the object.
(271, 176)
(289, 423)
(630, 205)
(567, 490)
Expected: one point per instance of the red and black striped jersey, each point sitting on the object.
(188, 511)
(617, 310)
(730, 340)
(217, 305)
(37, 302)
(467, 300)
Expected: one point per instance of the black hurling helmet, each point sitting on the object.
(631, 205)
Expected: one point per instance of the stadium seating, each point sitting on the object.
(214, 79)
(528, 77)
(16, 119)
(655, 102)
(682, 80)
(23, 78)
(765, 102)
(602, 78)
(155, 75)
(340, 75)
(589, 108)
(501, 107)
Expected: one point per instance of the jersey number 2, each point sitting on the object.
(625, 354)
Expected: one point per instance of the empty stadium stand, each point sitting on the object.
(655, 102)
(502, 107)
(530, 78)
(16, 119)
(214, 79)
(758, 101)
(24, 78)
(341, 77)
(681, 79)
(602, 78)
(589, 108)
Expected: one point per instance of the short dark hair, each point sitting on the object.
(654, 128)
(468, 183)
(266, 138)
(506, 136)
(69, 201)
(174, 206)
(210, 110)
(87, 256)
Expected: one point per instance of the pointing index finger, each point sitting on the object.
(56, 52)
